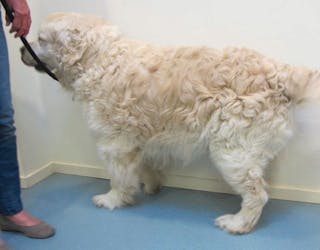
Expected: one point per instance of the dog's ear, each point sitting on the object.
(73, 44)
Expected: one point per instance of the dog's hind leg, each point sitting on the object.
(246, 178)
(123, 162)
(152, 180)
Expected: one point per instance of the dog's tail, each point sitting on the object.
(303, 85)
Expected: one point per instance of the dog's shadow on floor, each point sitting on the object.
(194, 206)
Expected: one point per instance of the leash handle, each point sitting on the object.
(10, 15)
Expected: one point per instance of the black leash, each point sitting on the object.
(27, 45)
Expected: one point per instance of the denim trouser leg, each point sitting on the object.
(10, 202)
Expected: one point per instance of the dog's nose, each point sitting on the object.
(22, 50)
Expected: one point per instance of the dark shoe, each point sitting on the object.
(39, 231)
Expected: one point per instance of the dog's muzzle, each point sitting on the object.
(32, 63)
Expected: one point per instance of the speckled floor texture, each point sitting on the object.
(173, 219)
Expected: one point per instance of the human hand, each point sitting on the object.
(22, 18)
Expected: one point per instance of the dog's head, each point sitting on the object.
(68, 42)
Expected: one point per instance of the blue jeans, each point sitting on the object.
(10, 201)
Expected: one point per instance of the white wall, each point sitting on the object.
(51, 127)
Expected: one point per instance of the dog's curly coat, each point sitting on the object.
(149, 105)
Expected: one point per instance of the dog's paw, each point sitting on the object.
(234, 223)
(109, 200)
(152, 189)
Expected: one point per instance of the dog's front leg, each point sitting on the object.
(123, 163)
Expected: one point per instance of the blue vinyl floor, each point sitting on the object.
(174, 219)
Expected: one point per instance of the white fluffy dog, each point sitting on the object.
(151, 105)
